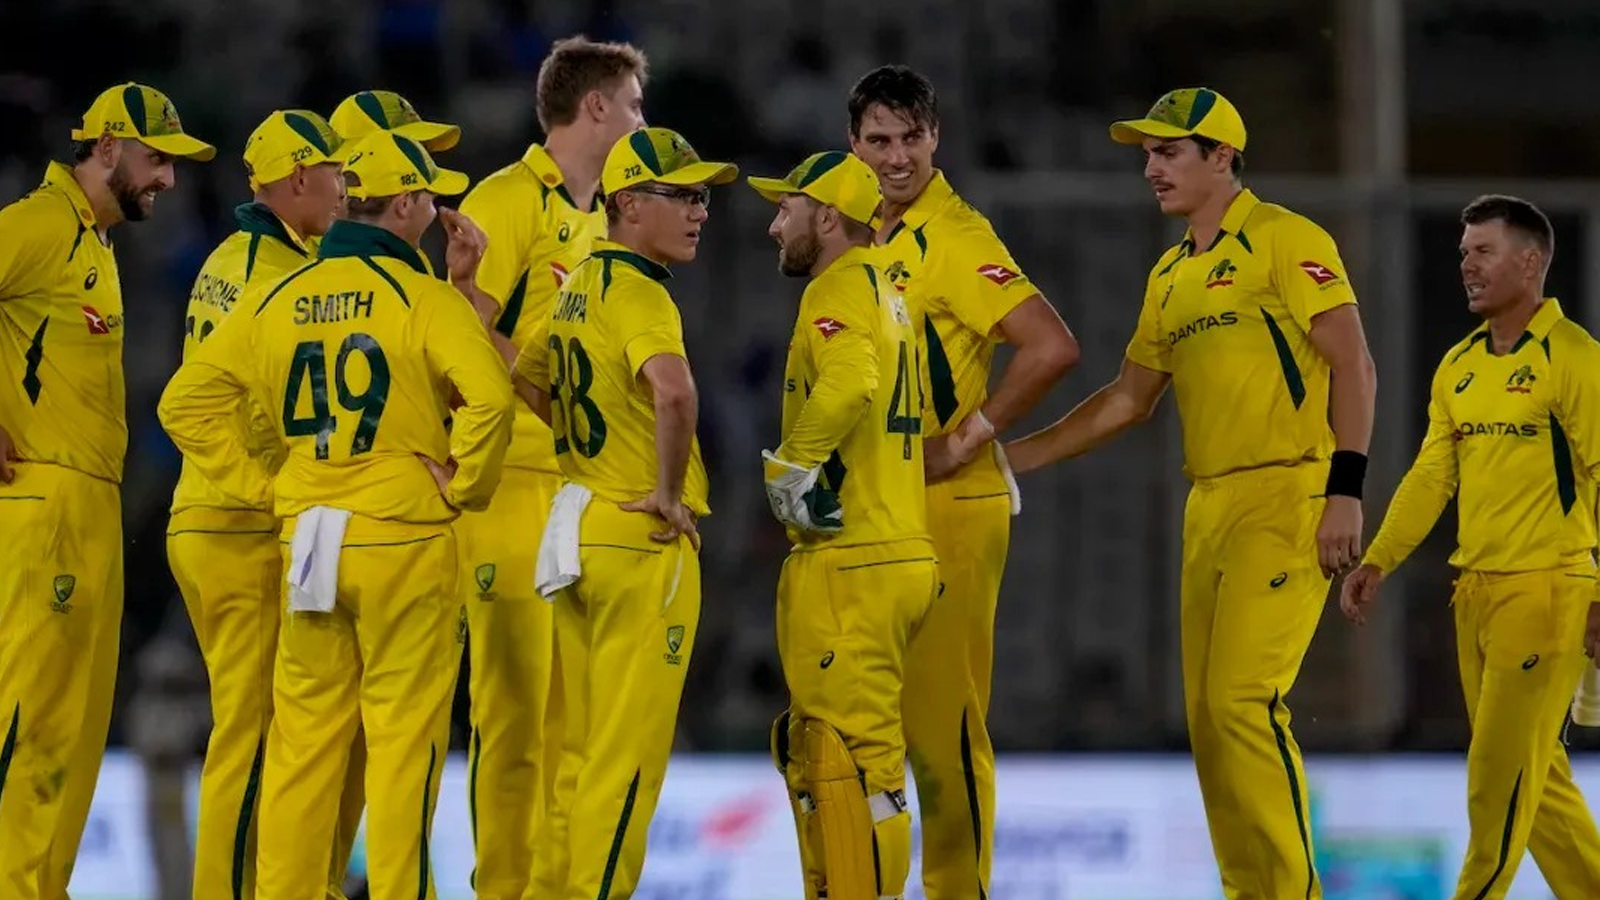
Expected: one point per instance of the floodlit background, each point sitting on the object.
(1378, 118)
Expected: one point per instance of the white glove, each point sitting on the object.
(797, 499)
(1586, 705)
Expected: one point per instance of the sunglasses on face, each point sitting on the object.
(700, 196)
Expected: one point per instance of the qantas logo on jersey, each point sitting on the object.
(1495, 429)
(829, 327)
(560, 272)
(1318, 272)
(998, 274)
(99, 324)
(1203, 323)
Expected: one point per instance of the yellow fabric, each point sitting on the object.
(852, 403)
(659, 155)
(1232, 325)
(365, 112)
(516, 718)
(144, 114)
(263, 250)
(61, 601)
(833, 178)
(1199, 112)
(359, 351)
(385, 164)
(537, 236)
(624, 652)
(960, 281)
(949, 669)
(289, 138)
(1517, 439)
(845, 616)
(382, 663)
(1252, 594)
(612, 315)
(64, 398)
(1519, 642)
(228, 575)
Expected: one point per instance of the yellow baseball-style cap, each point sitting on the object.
(659, 155)
(386, 164)
(1186, 112)
(363, 113)
(290, 138)
(144, 114)
(840, 180)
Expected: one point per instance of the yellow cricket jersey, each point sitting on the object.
(356, 355)
(264, 249)
(612, 315)
(960, 281)
(1232, 325)
(853, 404)
(1516, 438)
(537, 236)
(64, 396)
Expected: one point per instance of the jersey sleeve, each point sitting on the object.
(979, 280)
(1425, 490)
(1308, 271)
(840, 324)
(533, 361)
(199, 411)
(458, 348)
(651, 327)
(509, 217)
(29, 240)
(1149, 347)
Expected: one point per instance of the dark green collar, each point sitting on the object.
(258, 218)
(651, 268)
(348, 238)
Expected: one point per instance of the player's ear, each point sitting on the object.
(594, 104)
(108, 149)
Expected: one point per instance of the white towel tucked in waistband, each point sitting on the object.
(1586, 704)
(1011, 479)
(559, 565)
(314, 559)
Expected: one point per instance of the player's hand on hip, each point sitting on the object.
(1339, 535)
(465, 243)
(1360, 589)
(8, 454)
(442, 475)
(943, 456)
(680, 520)
(1591, 634)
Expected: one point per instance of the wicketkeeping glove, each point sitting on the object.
(798, 499)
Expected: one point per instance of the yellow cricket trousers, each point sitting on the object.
(515, 727)
(60, 632)
(1519, 642)
(949, 667)
(384, 662)
(1252, 593)
(624, 636)
(845, 617)
(227, 567)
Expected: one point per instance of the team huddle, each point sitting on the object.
(382, 465)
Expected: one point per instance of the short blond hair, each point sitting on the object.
(576, 66)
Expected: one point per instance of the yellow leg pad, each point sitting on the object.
(865, 840)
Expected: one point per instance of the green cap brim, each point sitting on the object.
(1134, 131)
(773, 190)
(449, 183)
(181, 145)
(700, 173)
(435, 137)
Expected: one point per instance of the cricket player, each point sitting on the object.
(620, 552)
(357, 354)
(1260, 335)
(1520, 447)
(848, 481)
(541, 215)
(966, 294)
(224, 555)
(63, 435)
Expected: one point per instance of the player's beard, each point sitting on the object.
(799, 255)
(127, 195)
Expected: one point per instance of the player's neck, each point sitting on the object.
(580, 162)
(894, 211)
(828, 254)
(107, 212)
(1507, 326)
(632, 239)
(284, 213)
(1206, 221)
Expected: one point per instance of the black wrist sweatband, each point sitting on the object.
(1347, 471)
